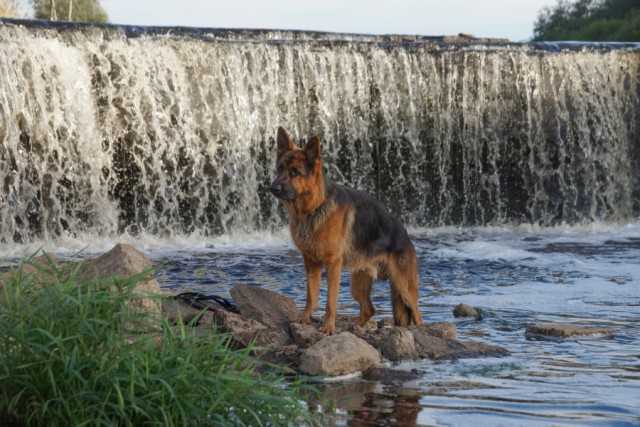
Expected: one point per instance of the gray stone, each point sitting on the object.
(246, 331)
(123, 262)
(464, 310)
(444, 330)
(305, 335)
(565, 330)
(264, 306)
(338, 355)
(398, 345)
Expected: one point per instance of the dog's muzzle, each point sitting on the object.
(282, 191)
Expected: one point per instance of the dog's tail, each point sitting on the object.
(404, 289)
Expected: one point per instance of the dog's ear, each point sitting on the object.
(312, 151)
(284, 143)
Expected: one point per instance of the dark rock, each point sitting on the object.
(386, 322)
(432, 347)
(338, 355)
(264, 306)
(565, 330)
(398, 345)
(388, 375)
(464, 310)
(176, 309)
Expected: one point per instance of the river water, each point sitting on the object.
(588, 275)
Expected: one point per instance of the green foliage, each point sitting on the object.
(81, 10)
(589, 20)
(69, 358)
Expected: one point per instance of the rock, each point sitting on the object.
(176, 309)
(305, 335)
(464, 310)
(123, 262)
(388, 375)
(264, 306)
(41, 269)
(432, 347)
(386, 322)
(347, 322)
(398, 345)
(245, 331)
(565, 330)
(444, 330)
(338, 355)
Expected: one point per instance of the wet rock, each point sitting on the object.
(566, 330)
(436, 348)
(305, 335)
(388, 375)
(245, 331)
(445, 330)
(265, 306)
(338, 355)
(386, 322)
(123, 262)
(464, 310)
(176, 309)
(35, 270)
(398, 345)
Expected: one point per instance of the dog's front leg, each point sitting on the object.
(314, 274)
(334, 268)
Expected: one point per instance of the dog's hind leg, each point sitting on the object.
(361, 291)
(404, 289)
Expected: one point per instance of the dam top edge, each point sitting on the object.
(287, 36)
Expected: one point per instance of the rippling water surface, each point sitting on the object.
(589, 276)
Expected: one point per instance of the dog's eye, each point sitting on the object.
(295, 172)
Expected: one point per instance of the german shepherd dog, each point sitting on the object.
(335, 226)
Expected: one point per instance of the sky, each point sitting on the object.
(512, 19)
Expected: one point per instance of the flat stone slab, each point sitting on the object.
(566, 330)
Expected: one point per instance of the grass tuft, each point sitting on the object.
(69, 357)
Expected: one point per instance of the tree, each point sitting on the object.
(8, 9)
(70, 10)
(589, 20)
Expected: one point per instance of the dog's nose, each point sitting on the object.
(276, 188)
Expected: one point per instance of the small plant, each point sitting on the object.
(68, 357)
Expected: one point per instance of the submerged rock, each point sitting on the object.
(566, 330)
(464, 310)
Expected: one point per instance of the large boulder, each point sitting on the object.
(264, 306)
(338, 355)
(123, 262)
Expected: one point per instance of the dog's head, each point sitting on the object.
(296, 168)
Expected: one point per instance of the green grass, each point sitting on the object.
(68, 357)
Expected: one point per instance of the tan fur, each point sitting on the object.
(323, 231)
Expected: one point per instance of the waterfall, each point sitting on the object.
(109, 129)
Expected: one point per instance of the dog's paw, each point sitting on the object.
(305, 320)
(328, 329)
